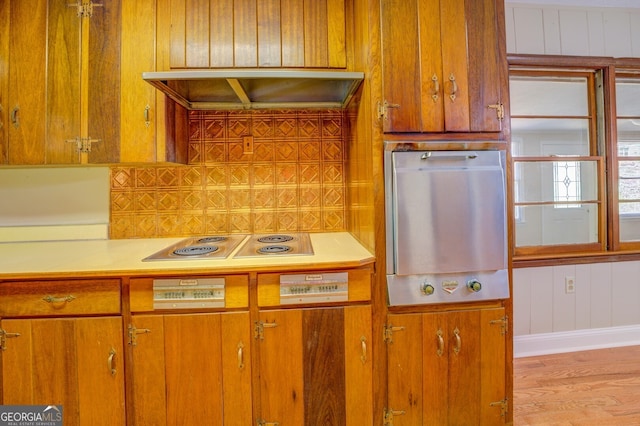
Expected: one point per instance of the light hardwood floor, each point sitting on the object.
(599, 387)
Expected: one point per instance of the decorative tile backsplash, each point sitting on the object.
(289, 177)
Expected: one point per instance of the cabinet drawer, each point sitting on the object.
(59, 298)
(236, 292)
(358, 286)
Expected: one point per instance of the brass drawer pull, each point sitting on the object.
(52, 299)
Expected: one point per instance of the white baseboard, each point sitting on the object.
(576, 340)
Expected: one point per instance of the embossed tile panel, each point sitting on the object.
(292, 180)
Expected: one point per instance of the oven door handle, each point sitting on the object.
(456, 156)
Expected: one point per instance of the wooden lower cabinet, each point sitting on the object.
(446, 368)
(73, 362)
(191, 369)
(315, 366)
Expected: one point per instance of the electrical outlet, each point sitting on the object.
(247, 144)
(569, 285)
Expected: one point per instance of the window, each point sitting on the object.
(559, 202)
(628, 158)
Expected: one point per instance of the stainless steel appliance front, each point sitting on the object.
(446, 226)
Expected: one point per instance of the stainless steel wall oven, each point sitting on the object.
(446, 226)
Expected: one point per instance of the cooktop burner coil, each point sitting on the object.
(277, 238)
(213, 239)
(275, 249)
(195, 250)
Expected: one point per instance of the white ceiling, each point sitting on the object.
(635, 4)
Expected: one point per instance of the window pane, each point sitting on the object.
(543, 137)
(629, 128)
(629, 148)
(546, 225)
(548, 96)
(627, 95)
(630, 221)
(538, 182)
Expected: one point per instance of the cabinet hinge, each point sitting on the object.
(4, 335)
(261, 422)
(133, 334)
(499, 110)
(85, 9)
(383, 109)
(258, 329)
(388, 332)
(83, 144)
(504, 324)
(504, 406)
(389, 414)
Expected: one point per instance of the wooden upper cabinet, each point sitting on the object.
(63, 83)
(140, 119)
(252, 33)
(444, 65)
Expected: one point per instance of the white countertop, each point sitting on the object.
(122, 257)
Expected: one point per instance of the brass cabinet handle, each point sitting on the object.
(261, 422)
(454, 87)
(436, 88)
(240, 356)
(440, 350)
(111, 362)
(147, 122)
(363, 346)
(456, 348)
(53, 299)
(15, 120)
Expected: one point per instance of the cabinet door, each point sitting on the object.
(191, 369)
(447, 367)
(453, 341)
(73, 362)
(405, 375)
(269, 33)
(314, 366)
(138, 121)
(100, 81)
(443, 65)
(4, 77)
(64, 81)
(25, 106)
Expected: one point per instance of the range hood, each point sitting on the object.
(256, 89)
